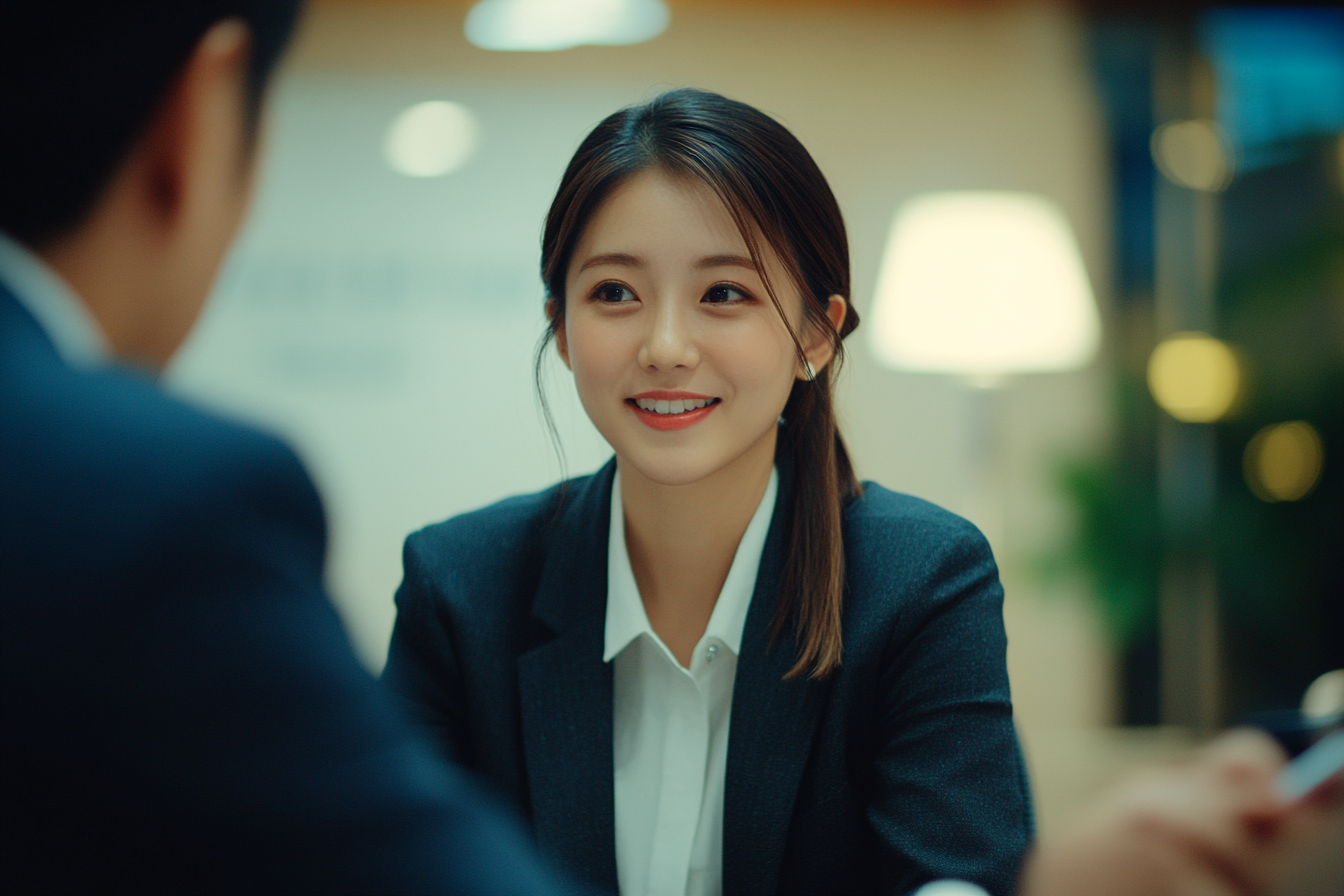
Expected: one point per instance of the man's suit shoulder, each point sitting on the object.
(193, 717)
(107, 454)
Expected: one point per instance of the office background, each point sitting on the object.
(386, 324)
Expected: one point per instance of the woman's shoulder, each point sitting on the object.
(881, 513)
(907, 548)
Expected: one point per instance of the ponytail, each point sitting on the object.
(813, 584)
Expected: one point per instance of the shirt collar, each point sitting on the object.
(60, 314)
(626, 619)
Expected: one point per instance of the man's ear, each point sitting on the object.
(558, 322)
(819, 349)
(187, 124)
(145, 256)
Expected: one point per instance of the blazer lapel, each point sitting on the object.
(566, 693)
(773, 725)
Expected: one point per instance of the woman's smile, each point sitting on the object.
(662, 410)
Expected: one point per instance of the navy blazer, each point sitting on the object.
(902, 767)
(180, 709)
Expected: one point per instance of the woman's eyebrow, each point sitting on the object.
(726, 261)
(620, 259)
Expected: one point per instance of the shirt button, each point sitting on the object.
(710, 652)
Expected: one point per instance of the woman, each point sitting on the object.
(719, 664)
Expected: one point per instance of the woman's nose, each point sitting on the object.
(669, 342)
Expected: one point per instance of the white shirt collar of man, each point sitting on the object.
(67, 323)
(626, 619)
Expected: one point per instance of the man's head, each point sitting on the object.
(127, 138)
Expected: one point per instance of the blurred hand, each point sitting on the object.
(1212, 826)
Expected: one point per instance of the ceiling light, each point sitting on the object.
(561, 24)
(431, 139)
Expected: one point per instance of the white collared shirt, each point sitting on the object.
(67, 323)
(670, 724)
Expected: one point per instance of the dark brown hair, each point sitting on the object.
(771, 187)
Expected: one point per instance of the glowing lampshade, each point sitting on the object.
(561, 24)
(983, 284)
(430, 139)
(1194, 377)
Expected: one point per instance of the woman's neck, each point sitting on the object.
(682, 540)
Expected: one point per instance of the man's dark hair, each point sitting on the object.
(79, 81)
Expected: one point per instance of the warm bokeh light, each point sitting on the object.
(1194, 154)
(561, 24)
(431, 139)
(1283, 462)
(983, 284)
(1194, 377)
(1325, 697)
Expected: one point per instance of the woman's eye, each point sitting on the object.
(613, 294)
(724, 295)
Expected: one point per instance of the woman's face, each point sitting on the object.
(680, 358)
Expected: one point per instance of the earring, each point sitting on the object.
(811, 372)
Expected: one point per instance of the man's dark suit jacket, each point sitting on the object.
(181, 709)
(902, 767)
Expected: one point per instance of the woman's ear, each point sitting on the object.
(820, 349)
(558, 323)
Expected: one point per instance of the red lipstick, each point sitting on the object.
(669, 422)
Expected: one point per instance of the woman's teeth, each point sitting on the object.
(679, 406)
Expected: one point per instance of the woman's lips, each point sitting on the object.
(670, 420)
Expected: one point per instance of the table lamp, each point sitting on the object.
(983, 285)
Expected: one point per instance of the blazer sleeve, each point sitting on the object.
(273, 760)
(951, 797)
(422, 660)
